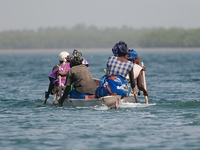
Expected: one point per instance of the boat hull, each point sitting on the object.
(129, 99)
(109, 101)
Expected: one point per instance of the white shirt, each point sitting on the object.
(136, 70)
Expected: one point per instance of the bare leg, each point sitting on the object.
(55, 98)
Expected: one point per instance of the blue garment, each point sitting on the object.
(75, 95)
(113, 85)
(114, 82)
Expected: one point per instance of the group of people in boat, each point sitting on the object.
(122, 70)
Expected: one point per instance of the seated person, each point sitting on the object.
(118, 67)
(81, 78)
(138, 70)
(63, 66)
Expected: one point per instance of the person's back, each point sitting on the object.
(80, 77)
(82, 80)
(118, 66)
(62, 69)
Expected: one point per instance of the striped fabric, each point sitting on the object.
(116, 67)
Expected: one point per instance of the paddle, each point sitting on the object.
(144, 82)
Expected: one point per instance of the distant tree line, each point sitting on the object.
(81, 36)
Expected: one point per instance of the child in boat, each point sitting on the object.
(62, 68)
(81, 78)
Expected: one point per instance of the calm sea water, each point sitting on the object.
(171, 121)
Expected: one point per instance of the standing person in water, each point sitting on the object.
(62, 67)
(81, 78)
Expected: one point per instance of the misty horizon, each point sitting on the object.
(136, 14)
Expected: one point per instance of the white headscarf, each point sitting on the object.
(63, 55)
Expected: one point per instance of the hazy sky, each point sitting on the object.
(33, 14)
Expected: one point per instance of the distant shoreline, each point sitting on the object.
(92, 50)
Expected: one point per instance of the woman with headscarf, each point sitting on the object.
(81, 78)
(84, 62)
(118, 67)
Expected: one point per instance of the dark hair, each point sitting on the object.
(75, 61)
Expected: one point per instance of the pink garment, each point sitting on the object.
(84, 62)
(54, 74)
(64, 68)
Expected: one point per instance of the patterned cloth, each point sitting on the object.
(64, 68)
(114, 82)
(116, 67)
(120, 46)
(113, 85)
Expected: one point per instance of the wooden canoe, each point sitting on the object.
(109, 101)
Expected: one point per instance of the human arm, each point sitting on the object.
(52, 77)
(143, 68)
(140, 85)
(61, 73)
(131, 77)
(132, 81)
(67, 88)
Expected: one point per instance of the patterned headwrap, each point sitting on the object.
(132, 54)
(120, 46)
(77, 57)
